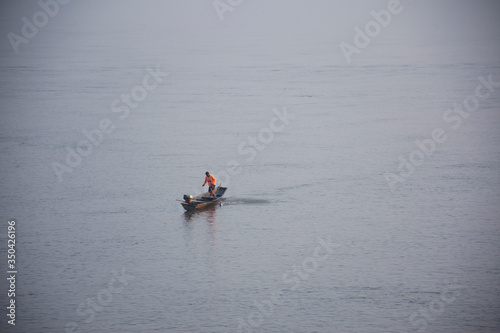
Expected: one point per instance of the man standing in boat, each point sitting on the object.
(211, 183)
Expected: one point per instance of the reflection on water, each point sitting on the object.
(208, 218)
(201, 226)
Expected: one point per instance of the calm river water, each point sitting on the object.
(356, 201)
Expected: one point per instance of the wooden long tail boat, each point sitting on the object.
(203, 200)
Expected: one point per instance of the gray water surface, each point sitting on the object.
(310, 238)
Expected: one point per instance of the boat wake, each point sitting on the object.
(245, 201)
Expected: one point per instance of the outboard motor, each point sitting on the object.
(188, 198)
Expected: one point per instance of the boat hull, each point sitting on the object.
(204, 200)
(191, 207)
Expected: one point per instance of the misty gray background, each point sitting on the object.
(397, 253)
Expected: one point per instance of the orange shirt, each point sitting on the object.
(210, 179)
